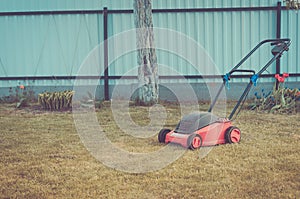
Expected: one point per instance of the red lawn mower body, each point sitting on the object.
(201, 129)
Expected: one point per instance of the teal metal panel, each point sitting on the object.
(226, 36)
(46, 5)
(119, 23)
(47, 45)
(31, 5)
(291, 29)
(159, 4)
(57, 44)
(119, 5)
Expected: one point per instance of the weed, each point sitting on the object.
(21, 95)
(281, 100)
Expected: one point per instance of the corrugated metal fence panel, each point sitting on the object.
(48, 44)
(121, 5)
(211, 3)
(226, 36)
(291, 28)
(120, 23)
(46, 5)
(57, 44)
(33, 5)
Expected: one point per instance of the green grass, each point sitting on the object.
(43, 157)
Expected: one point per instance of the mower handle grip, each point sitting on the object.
(275, 43)
(242, 71)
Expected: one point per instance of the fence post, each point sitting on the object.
(106, 77)
(278, 35)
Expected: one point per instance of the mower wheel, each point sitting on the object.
(194, 141)
(162, 135)
(233, 135)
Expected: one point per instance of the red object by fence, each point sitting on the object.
(281, 78)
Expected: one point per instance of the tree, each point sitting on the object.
(147, 60)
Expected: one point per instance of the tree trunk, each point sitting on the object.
(147, 60)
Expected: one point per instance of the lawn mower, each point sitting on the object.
(204, 128)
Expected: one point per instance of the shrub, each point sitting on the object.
(56, 100)
(282, 100)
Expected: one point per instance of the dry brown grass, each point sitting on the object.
(43, 157)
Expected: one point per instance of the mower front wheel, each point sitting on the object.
(233, 135)
(162, 135)
(194, 141)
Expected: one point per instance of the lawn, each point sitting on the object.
(42, 156)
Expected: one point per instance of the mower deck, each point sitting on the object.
(201, 129)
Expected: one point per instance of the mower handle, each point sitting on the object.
(227, 76)
(280, 41)
(242, 71)
(285, 41)
(274, 43)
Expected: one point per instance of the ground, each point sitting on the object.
(42, 156)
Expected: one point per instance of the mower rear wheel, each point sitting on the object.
(162, 135)
(194, 141)
(233, 135)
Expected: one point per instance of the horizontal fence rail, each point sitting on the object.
(178, 10)
(116, 77)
